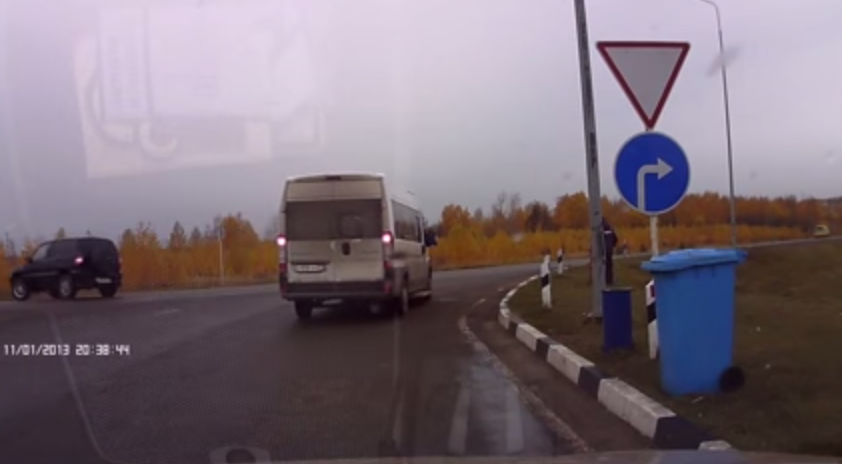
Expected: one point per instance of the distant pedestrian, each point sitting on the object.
(610, 240)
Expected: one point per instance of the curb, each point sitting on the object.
(665, 428)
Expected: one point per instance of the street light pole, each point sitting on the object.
(221, 255)
(591, 160)
(724, 74)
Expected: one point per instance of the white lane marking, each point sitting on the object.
(397, 389)
(167, 311)
(77, 395)
(397, 426)
(396, 355)
(514, 422)
(478, 302)
(457, 443)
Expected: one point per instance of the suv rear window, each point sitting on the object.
(98, 245)
(63, 248)
(332, 220)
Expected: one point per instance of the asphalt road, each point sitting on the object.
(209, 370)
(223, 368)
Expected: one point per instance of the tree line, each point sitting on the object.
(509, 214)
(229, 251)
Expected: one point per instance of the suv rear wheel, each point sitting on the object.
(20, 291)
(108, 291)
(66, 287)
(304, 310)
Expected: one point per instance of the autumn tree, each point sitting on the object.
(239, 242)
(178, 258)
(29, 246)
(571, 212)
(142, 258)
(195, 239)
(453, 215)
(7, 263)
(538, 217)
(10, 247)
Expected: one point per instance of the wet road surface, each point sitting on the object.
(233, 367)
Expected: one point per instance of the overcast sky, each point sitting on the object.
(483, 97)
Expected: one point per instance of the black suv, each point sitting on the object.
(64, 266)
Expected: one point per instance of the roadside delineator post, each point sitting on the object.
(651, 319)
(559, 261)
(546, 296)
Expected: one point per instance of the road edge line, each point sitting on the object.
(664, 427)
(530, 399)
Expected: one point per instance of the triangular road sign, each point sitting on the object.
(646, 71)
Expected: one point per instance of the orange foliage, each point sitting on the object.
(231, 252)
(513, 233)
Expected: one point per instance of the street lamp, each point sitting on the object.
(724, 74)
(219, 238)
(591, 159)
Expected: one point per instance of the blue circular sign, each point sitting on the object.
(652, 173)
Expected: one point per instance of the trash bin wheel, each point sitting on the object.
(732, 379)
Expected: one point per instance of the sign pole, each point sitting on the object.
(653, 228)
(653, 234)
(592, 161)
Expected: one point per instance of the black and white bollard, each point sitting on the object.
(546, 296)
(559, 261)
(652, 320)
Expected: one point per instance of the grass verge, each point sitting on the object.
(788, 332)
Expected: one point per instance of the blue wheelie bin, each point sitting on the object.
(695, 290)
(617, 326)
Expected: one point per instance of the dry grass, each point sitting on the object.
(788, 339)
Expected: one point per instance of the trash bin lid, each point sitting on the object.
(693, 257)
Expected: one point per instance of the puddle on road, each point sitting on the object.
(491, 419)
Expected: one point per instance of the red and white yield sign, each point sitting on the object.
(646, 71)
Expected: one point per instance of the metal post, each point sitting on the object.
(653, 234)
(724, 74)
(653, 230)
(591, 159)
(221, 256)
